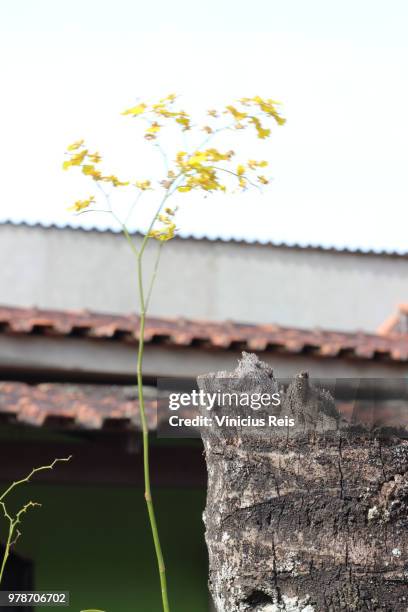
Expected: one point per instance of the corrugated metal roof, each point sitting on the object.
(223, 239)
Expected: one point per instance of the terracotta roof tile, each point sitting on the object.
(72, 406)
(210, 335)
(115, 408)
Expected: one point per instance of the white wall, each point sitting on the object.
(65, 268)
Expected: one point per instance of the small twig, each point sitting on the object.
(31, 474)
(13, 543)
(88, 210)
(163, 154)
(6, 514)
(132, 208)
(244, 176)
(24, 509)
(15, 520)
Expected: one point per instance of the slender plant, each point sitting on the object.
(14, 520)
(196, 166)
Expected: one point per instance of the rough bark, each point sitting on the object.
(312, 517)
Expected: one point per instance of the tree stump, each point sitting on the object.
(307, 518)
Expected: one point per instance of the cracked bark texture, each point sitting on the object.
(310, 518)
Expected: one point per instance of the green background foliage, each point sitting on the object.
(84, 540)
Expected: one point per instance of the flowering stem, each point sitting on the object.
(145, 429)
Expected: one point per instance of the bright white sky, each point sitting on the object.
(339, 67)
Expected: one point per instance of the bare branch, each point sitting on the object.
(16, 519)
(24, 509)
(31, 474)
(14, 542)
(6, 514)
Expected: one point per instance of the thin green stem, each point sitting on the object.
(6, 551)
(146, 469)
(13, 522)
(154, 274)
(145, 434)
(143, 304)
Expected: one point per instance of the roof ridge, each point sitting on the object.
(190, 236)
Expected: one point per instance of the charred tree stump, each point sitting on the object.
(312, 517)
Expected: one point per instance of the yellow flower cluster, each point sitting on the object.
(163, 110)
(203, 168)
(266, 106)
(80, 156)
(199, 171)
(168, 229)
(243, 118)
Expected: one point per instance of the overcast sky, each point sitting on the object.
(339, 67)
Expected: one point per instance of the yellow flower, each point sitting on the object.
(143, 185)
(135, 110)
(197, 159)
(163, 235)
(268, 107)
(95, 157)
(240, 170)
(184, 120)
(235, 113)
(90, 170)
(170, 98)
(263, 180)
(167, 231)
(204, 177)
(76, 160)
(212, 113)
(215, 155)
(155, 127)
(161, 110)
(164, 219)
(82, 204)
(75, 145)
(262, 132)
(114, 180)
(252, 163)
